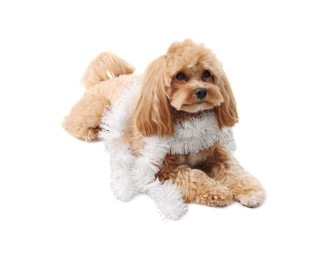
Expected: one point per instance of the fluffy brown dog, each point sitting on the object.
(187, 82)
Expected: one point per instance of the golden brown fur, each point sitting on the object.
(183, 83)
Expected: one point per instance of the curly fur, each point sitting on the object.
(168, 97)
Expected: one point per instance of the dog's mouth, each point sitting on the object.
(199, 102)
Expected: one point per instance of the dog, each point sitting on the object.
(183, 99)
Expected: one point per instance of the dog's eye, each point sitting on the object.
(206, 74)
(180, 76)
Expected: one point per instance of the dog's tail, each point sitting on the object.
(106, 66)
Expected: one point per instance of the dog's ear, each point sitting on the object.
(226, 113)
(152, 113)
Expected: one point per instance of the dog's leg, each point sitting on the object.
(245, 187)
(197, 187)
(85, 116)
(224, 168)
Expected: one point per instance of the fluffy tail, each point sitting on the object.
(106, 66)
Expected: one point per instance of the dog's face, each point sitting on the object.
(188, 78)
(193, 72)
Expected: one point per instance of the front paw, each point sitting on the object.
(218, 196)
(252, 199)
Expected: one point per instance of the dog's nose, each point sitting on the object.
(201, 93)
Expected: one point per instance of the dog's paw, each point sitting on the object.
(252, 199)
(219, 196)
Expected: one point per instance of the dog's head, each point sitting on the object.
(187, 78)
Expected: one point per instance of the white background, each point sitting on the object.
(55, 198)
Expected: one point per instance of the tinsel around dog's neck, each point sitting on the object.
(198, 133)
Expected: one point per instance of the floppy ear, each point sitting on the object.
(152, 113)
(226, 113)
